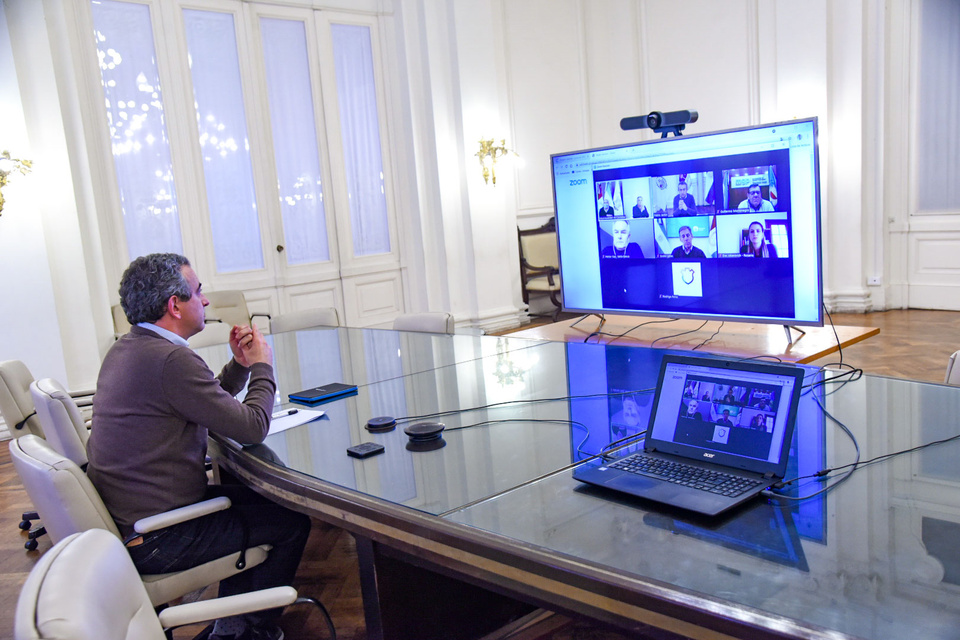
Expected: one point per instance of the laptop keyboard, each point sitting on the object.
(723, 484)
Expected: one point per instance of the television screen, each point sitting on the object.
(721, 225)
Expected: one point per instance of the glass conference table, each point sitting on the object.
(457, 535)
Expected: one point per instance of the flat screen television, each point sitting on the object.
(722, 225)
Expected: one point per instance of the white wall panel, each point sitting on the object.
(544, 65)
(700, 58)
(318, 294)
(613, 69)
(373, 299)
(576, 68)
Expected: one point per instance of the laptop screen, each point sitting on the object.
(738, 414)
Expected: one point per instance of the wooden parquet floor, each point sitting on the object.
(912, 344)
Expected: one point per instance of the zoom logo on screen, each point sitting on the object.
(577, 183)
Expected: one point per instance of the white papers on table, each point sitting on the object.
(284, 420)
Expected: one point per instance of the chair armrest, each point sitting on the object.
(175, 516)
(82, 397)
(533, 271)
(193, 612)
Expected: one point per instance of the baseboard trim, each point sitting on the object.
(848, 302)
(497, 320)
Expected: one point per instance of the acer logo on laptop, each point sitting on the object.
(708, 455)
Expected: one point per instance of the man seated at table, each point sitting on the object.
(156, 401)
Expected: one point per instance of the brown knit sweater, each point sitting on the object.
(154, 404)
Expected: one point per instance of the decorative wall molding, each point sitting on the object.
(499, 319)
(848, 302)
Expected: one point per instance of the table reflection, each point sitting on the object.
(875, 557)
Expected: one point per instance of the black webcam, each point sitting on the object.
(661, 122)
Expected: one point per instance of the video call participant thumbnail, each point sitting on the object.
(757, 245)
(622, 247)
(687, 248)
(755, 201)
(683, 202)
(640, 211)
(607, 211)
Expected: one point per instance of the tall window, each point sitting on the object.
(295, 149)
(138, 134)
(256, 73)
(938, 143)
(360, 129)
(222, 123)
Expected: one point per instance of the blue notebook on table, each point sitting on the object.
(326, 393)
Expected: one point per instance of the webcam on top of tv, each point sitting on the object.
(661, 122)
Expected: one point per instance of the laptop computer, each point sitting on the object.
(727, 425)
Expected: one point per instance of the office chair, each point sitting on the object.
(86, 587)
(305, 319)
(20, 416)
(120, 323)
(953, 372)
(69, 503)
(441, 322)
(213, 333)
(60, 418)
(229, 307)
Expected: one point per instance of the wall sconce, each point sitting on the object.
(7, 166)
(488, 155)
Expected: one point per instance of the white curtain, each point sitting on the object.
(938, 142)
(134, 105)
(289, 92)
(227, 170)
(360, 129)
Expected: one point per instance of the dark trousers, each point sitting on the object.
(213, 536)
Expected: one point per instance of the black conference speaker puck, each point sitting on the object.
(424, 431)
(381, 424)
(426, 445)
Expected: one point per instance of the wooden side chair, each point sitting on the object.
(540, 263)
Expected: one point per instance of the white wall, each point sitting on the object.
(547, 75)
(28, 322)
(575, 68)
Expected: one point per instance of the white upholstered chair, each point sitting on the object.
(120, 323)
(16, 405)
(60, 418)
(305, 319)
(953, 370)
(213, 333)
(229, 307)
(87, 588)
(20, 416)
(440, 322)
(69, 503)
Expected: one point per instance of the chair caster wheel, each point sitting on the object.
(25, 525)
(30, 545)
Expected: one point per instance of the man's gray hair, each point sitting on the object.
(148, 283)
